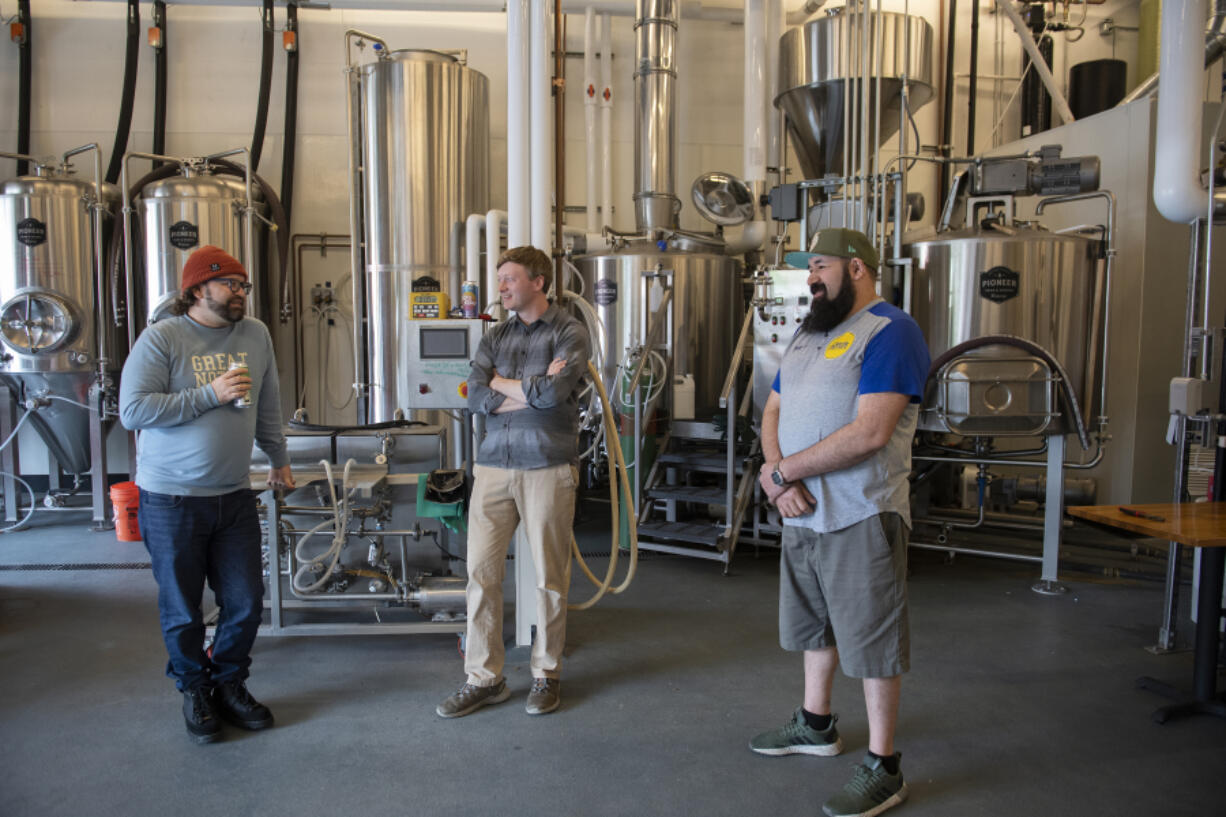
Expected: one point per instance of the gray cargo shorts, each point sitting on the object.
(848, 589)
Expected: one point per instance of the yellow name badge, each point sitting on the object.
(839, 345)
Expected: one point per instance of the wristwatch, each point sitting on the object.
(777, 476)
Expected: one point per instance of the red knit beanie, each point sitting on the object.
(208, 263)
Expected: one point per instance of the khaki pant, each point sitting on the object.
(543, 499)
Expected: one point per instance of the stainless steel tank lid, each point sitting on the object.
(722, 199)
(199, 186)
(421, 55)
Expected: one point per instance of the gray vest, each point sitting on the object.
(819, 388)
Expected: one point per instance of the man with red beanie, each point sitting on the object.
(201, 387)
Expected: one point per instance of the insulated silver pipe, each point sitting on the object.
(99, 262)
(357, 275)
(655, 114)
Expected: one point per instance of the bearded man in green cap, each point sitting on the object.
(836, 434)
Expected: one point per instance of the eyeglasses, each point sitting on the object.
(235, 286)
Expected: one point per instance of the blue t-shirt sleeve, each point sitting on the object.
(896, 360)
(775, 385)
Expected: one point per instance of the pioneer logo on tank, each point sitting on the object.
(606, 292)
(184, 235)
(998, 284)
(31, 232)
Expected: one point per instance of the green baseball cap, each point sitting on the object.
(837, 241)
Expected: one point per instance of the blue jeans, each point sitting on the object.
(191, 540)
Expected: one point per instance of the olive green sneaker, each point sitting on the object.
(871, 791)
(469, 699)
(797, 738)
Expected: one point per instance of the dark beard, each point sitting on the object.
(231, 310)
(827, 313)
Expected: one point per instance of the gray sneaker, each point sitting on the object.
(871, 791)
(545, 696)
(470, 698)
(797, 738)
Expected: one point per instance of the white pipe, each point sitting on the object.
(519, 201)
(493, 249)
(540, 124)
(774, 30)
(590, 110)
(1040, 65)
(751, 238)
(754, 115)
(606, 120)
(1177, 187)
(473, 225)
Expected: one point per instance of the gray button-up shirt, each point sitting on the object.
(547, 432)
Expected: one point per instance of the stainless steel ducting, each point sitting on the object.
(821, 61)
(655, 114)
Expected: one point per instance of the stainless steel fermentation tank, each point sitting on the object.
(420, 155)
(183, 213)
(825, 60)
(1041, 287)
(707, 310)
(54, 315)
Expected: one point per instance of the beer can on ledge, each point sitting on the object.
(468, 299)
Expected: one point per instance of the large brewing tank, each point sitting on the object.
(50, 303)
(707, 308)
(424, 144)
(821, 59)
(1041, 287)
(180, 215)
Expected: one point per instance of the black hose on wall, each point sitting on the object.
(131, 62)
(159, 86)
(25, 68)
(261, 113)
(291, 111)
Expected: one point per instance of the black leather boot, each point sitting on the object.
(200, 715)
(235, 704)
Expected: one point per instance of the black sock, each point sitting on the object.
(890, 764)
(819, 722)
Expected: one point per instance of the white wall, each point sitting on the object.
(214, 67)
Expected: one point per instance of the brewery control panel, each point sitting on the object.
(438, 356)
(428, 305)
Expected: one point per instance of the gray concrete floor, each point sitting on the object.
(1017, 704)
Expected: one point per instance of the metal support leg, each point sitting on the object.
(97, 469)
(8, 456)
(269, 499)
(1168, 633)
(1053, 514)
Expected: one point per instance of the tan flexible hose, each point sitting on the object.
(605, 586)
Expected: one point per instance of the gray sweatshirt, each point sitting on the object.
(190, 442)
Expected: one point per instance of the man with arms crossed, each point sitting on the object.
(524, 379)
(198, 418)
(836, 433)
